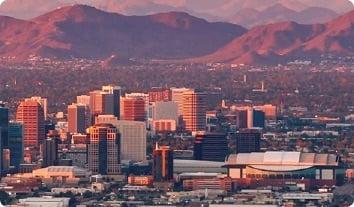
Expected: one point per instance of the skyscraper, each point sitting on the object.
(177, 97)
(116, 92)
(248, 140)
(132, 137)
(162, 163)
(76, 118)
(258, 118)
(43, 102)
(50, 152)
(31, 114)
(133, 109)
(4, 125)
(210, 146)
(194, 111)
(104, 150)
(159, 94)
(16, 134)
(101, 103)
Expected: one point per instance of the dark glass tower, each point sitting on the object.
(210, 146)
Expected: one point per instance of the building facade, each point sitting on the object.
(211, 147)
(162, 164)
(76, 118)
(104, 150)
(194, 111)
(31, 114)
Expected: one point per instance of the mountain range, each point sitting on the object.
(244, 12)
(85, 32)
(280, 42)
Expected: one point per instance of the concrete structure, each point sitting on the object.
(177, 97)
(210, 146)
(248, 140)
(76, 118)
(43, 102)
(31, 114)
(158, 94)
(116, 92)
(194, 111)
(163, 110)
(104, 150)
(44, 201)
(16, 143)
(163, 125)
(101, 102)
(133, 109)
(50, 152)
(162, 164)
(196, 166)
(278, 168)
(133, 137)
(62, 175)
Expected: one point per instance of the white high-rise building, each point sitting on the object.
(133, 137)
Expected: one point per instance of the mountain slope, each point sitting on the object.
(276, 43)
(83, 31)
(213, 9)
(279, 13)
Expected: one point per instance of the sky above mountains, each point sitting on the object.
(220, 10)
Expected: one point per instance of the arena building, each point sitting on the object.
(282, 168)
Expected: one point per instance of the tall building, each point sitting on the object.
(83, 99)
(133, 109)
(258, 118)
(116, 92)
(76, 118)
(104, 150)
(245, 117)
(43, 102)
(177, 97)
(167, 110)
(248, 140)
(31, 114)
(269, 110)
(50, 152)
(159, 94)
(162, 163)
(211, 147)
(16, 134)
(4, 125)
(101, 103)
(194, 111)
(132, 137)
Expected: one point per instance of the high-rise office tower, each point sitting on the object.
(76, 118)
(258, 118)
(159, 94)
(210, 146)
(162, 163)
(43, 102)
(132, 137)
(177, 97)
(133, 109)
(166, 110)
(31, 114)
(83, 99)
(245, 117)
(194, 111)
(50, 152)
(116, 92)
(4, 125)
(16, 134)
(104, 150)
(101, 103)
(248, 140)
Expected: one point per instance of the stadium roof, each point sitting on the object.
(283, 158)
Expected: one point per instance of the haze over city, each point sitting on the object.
(177, 103)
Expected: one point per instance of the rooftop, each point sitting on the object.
(283, 158)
